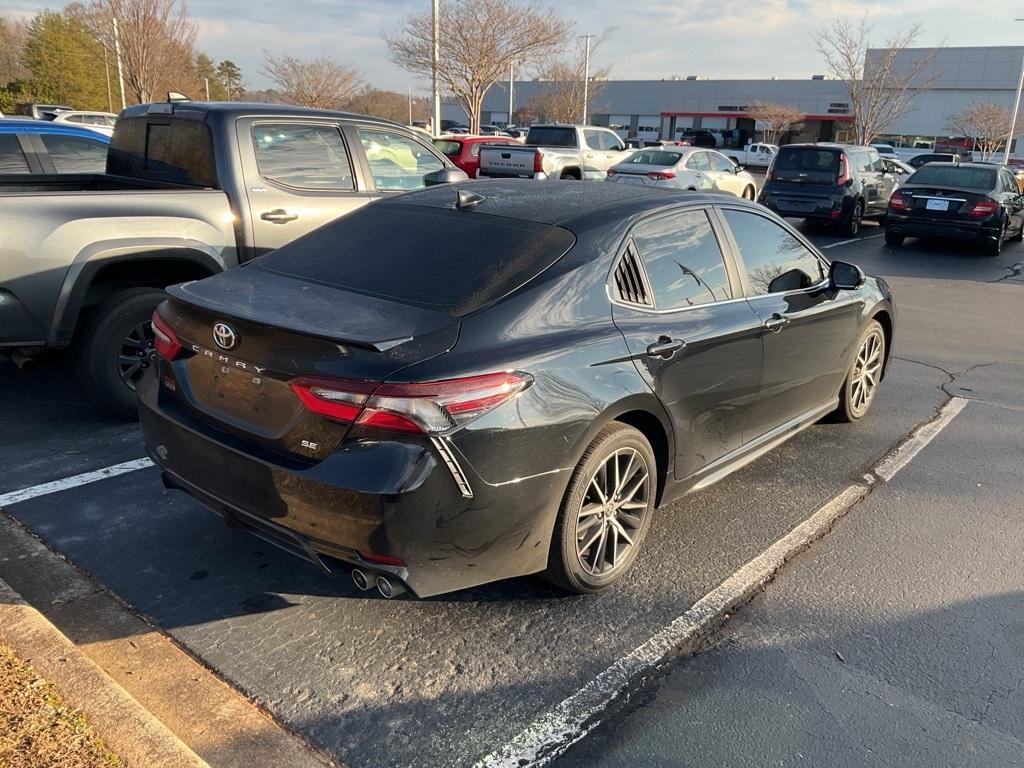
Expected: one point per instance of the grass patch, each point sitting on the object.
(37, 730)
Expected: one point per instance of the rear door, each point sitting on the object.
(299, 174)
(808, 329)
(692, 337)
(877, 186)
(698, 171)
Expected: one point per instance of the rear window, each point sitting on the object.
(12, 159)
(654, 157)
(450, 261)
(954, 176)
(446, 147)
(176, 150)
(551, 137)
(807, 160)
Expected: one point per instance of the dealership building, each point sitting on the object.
(955, 78)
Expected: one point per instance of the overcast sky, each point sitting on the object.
(646, 40)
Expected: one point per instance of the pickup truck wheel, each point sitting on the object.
(117, 347)
(569, 176)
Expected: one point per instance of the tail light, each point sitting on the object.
(432, 407)
(897, 203)
(165, 342)
(983, 208)
(612, 172)
(844, 171)
(538, 162)
(661, 175)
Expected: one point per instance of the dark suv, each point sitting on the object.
(828, 182)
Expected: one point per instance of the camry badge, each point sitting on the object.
(224, 336)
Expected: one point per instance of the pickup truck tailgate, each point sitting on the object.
(507, 161)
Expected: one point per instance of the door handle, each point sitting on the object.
(665, 347)
(278, 216)
(775, 323)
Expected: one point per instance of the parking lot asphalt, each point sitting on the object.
(442, 682)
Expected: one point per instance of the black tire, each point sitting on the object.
(110, 331)
(569, 176)
(894, 238)
(996, 248)
(615, 445)
(851, 406)
(852, 224)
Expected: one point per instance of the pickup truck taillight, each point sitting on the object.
(983, 208)
(538, 162)
(165, 342)
(431, 407)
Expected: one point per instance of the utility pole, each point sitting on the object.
(1016, 108)
(106, 73)
(436, 122)
(206, 82)
(410, 104)
(511, 91)
(586, 78)
(120, 68)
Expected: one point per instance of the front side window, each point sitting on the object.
(720, 163)
(75, 154)
(610, 141)
(775, 261)
(397, 162)
(12, 159)
(683, 260)
(303, 156)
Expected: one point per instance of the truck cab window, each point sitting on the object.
(397, 162)
(303, 156)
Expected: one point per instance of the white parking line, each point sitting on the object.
(70, 482)
(568, 722)
(913, 445)
(847, 242)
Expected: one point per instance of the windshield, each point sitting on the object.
(551, 137)
(954, 176)
(655, 157)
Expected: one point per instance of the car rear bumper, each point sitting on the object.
(396, 498)
(979, 232)
(807, 206)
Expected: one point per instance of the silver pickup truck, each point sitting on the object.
(191, 189)
(555, 152)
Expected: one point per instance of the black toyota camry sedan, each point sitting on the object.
(494, 379)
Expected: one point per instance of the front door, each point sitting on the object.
(298, 176)
(808, 327)
(696, 344)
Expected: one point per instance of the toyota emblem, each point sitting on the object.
(224, 336)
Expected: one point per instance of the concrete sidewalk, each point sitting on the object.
(895, 641)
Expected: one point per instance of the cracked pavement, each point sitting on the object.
(897, 639)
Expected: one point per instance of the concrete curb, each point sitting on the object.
(127, 728)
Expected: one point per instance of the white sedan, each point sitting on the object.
(684, 168)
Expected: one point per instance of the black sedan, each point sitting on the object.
(466, 384)
(975, 202)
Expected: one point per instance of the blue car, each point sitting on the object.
(37, 146)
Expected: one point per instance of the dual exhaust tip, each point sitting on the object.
(386, 585)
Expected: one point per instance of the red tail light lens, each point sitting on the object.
(983, 208)
(844, 171)
(612, 172)
(433, 407)
(165, 342)
(538, 162)
(897, 203)
(661, 175)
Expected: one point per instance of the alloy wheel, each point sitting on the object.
(867, 371)
(135, 353)
(611, 515)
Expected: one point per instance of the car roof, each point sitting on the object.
(15, 125)
(555, 202)
(246, 109)
(474, 139)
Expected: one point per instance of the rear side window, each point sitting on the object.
(593, 139)
(74, 154)
(683, 260)
(774, 260)
(445, 260)
(955, 176)
(303, 156)
(12, 159)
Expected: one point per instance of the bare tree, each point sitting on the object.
(156, 37)
(479, 40)
(388, 104)
(321, 82)
(561, 96)
(881, 87)
(12, 48)
(987, 123)
(775, 119)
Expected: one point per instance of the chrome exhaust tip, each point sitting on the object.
(389, 588)
(362, 581)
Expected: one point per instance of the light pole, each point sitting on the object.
(1016, 107)
(436, 127)
(586, 77)
(120, 68)
(511, 86)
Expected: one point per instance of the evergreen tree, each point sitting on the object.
(231, 77)
(65, 62)
(207, 72)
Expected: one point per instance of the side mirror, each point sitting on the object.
(845, 277)
(738, 168)
(445, 176)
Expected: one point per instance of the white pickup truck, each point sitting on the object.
(752, 155)
(555, 152)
